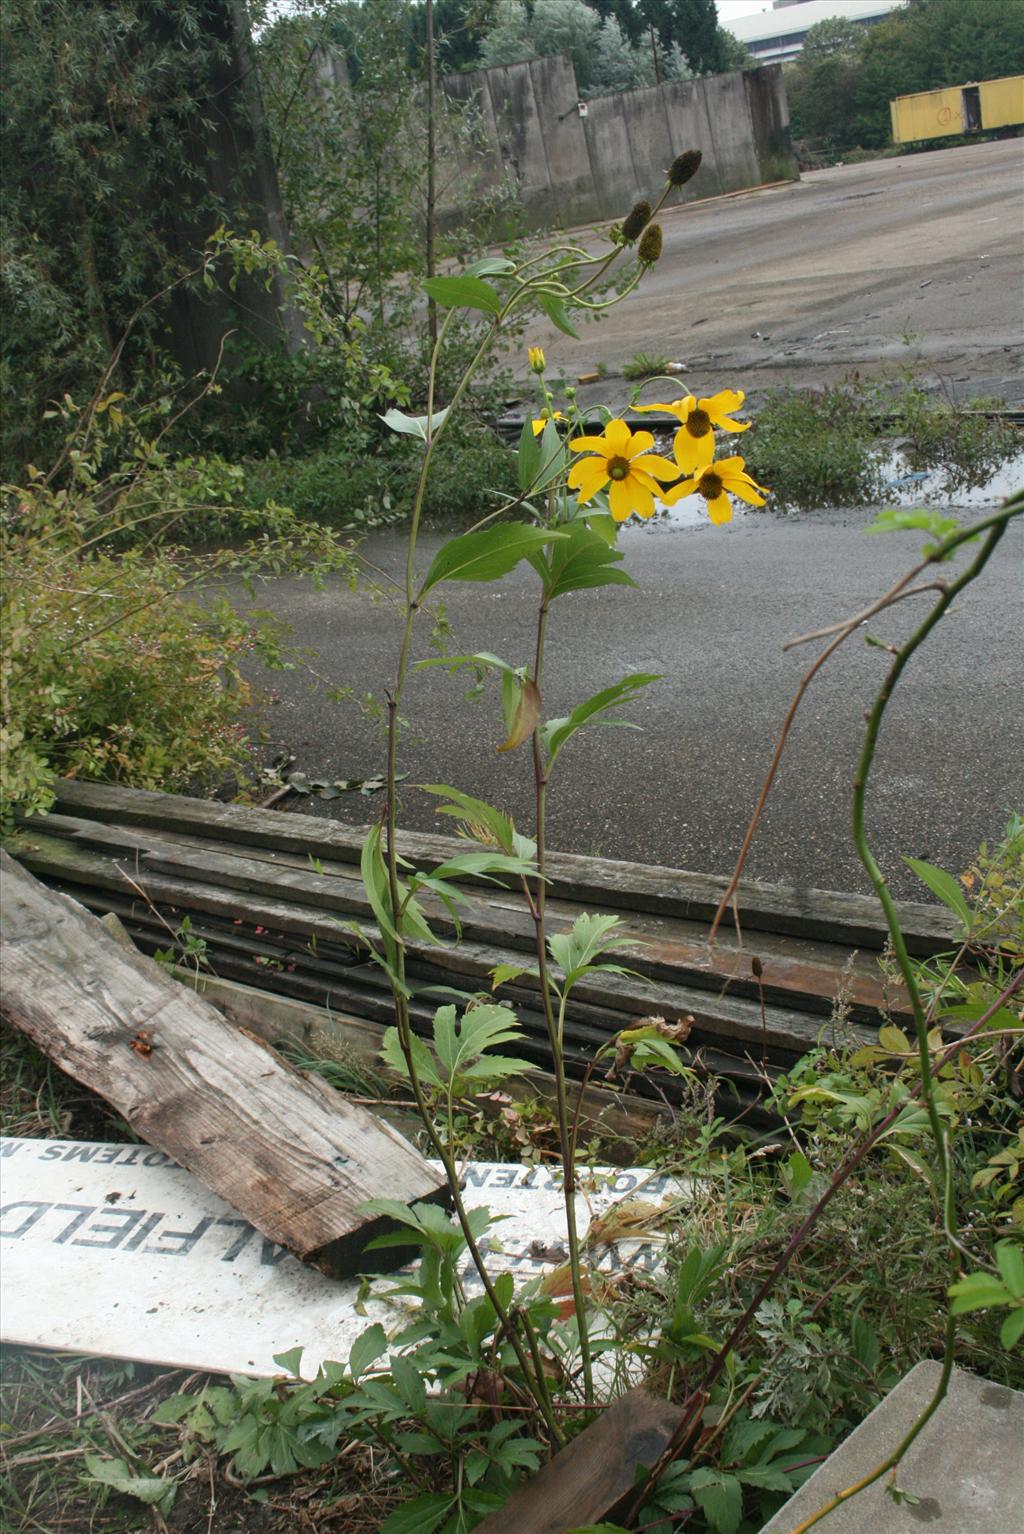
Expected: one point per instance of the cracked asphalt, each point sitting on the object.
(929, 243)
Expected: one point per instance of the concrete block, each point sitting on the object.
(966, 1468)
(769, 114)
(690, 128)
(649, 138)
(616, 181)
(556, 97)
(732, 132)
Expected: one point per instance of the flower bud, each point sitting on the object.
(537, 360)
(635, 221)
(684, 167)
(650, 246)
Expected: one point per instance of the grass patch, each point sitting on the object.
(646, 365)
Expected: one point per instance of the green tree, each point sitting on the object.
(603, 57)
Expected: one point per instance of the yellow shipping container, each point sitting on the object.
(1002, 102)
(929, 114)
(957, 109)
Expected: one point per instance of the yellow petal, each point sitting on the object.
(719, 510)
(724, 424)
(652, 463)
(640, 442)
(666, 409)
(745, 490)
(539, 425)
(617, 437)
(724, 402)
(677, 492)
(589, 445)
(693, 453)
(588, 476)
(618, 499)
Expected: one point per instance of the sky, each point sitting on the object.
(731, 10)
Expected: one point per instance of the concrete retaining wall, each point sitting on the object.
(571, 169)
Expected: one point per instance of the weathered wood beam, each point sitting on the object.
(824, 914)
(285, 1150)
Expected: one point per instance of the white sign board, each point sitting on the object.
(115, 1250)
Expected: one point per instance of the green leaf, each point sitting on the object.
(501, 974)
(413, 425)
(1012, 1329)
(481, 1029)
(486, 555)
(556, 312)
(175, 1408)
(463, 293)
(393, 1055)
(944, 886)
(556, 732)
(796, 1173)
(420, 1516)
(121, 1478)
(585, 560)
(586, 940)
(366, 1349)
(527, 455)
(1010, 1259)
(933, 522)
(978, 1291)
(720, 1498)
(490, 266)
(409, 1383)
(289, 1362)
(475, 811)
(479, 863)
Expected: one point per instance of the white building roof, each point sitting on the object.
(778, 34)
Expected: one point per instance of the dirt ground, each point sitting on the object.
(918, 259)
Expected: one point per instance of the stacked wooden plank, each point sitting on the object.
(276, 899)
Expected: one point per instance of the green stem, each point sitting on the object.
(566, 1138)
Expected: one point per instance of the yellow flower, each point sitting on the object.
(623, 460)
(536, 355)
(695, 440)
(540, 421)
(716, 483)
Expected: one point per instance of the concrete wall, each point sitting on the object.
(571, 169)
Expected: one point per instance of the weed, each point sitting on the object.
(646, 365)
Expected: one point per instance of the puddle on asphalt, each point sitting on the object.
(898, 485)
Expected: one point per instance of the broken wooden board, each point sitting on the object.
(585, 1482)
(112, 1250)
(285, 1150)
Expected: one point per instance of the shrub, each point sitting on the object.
(814, 447)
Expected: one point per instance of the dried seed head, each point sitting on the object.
(684, 167)
(635, 221)
(649, 248)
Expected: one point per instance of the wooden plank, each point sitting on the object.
(824, 914)
(590, 1477)
(787, 981)
(286, 1151)
(716, 1017)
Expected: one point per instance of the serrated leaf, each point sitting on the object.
(486, 555)
(464, 292)
(420, 1516)
(481, 1028)
(409, 1383)
(720, 1498)
(475, 811)
(366, 1349)
(501, 974)
(393, 1055)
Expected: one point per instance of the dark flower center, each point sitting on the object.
(698, 423)
(618, 468)
(710, 487)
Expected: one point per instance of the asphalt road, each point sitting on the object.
(835, 271)
(916, 260)
(713, 610)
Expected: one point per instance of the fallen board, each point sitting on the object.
(285, 1150)
(584, 1483)
(113, 1250)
